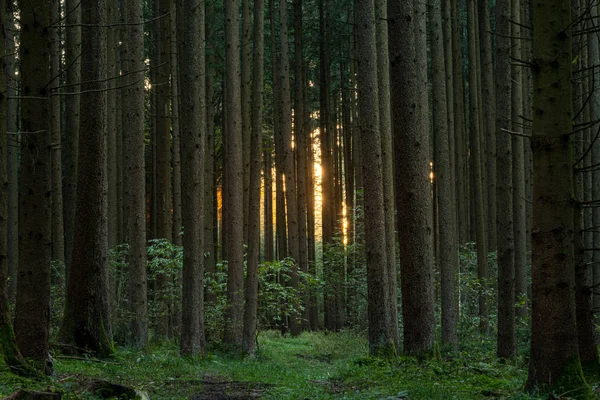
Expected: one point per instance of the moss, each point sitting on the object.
(11, 355)
(572, 382)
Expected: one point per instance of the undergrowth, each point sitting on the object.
(311, 366)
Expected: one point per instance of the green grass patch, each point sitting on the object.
(311, 366)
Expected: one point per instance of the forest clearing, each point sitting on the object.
(387, 199)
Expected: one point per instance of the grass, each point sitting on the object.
(312, 366)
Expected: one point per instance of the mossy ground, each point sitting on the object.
(312, 366)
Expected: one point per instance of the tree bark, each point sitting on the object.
(411, 182)
(175, 131)
(448, 254)
(86, 323)
(191, 50)
(234, 181)
(32, 314)
(554, 363)
(504, 219)
(246, 86)
(251, 293)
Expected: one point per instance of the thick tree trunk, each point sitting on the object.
(555, 363)
(32, 315)
(234, 181)
(251, 293)
(191, 50)
(411, 182)
(86, 323)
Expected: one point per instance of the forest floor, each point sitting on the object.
(312, 366)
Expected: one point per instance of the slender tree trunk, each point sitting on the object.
(381, 339)
(136, 219)
(489, 116)
(518, 156)
(246, 85)
(124, 127)
(86, 323)
(71, 142)
(462, 193)
(175, 131)
(251, 307)
(476, 147)
(12, 107)
(301, 132)
(504, 219)
(58, 237)
(385, 127)
(111, 125)
(310, 209)
(269, 247)
(32, 314)
(234, 181)
(411, 181)
(555, 363)
(191, 50)
(448, 254)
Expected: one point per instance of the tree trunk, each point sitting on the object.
(71, 137)
(504, 219)
(554, 363)
(251, 293)
(86, 323)
(381, 339)
(448, 254)
(234, 181)
(136, 219)
(191, 50)
(489, 118)
(246, 85)
(32, 314)
(175, 131)
(12, 154)
(269, 247)
(411, 182)
(518, 160)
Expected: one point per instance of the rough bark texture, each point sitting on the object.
(8, 346)
(58, 237)
(504, 219)
(136, 218)
(554, 362)
(412, 183)
(246, 85)
(111, 126)
(175, 132)
(191, 51)
(301, 132)
(518, 161)
(460, 137)
(32, 314)
(381, 340)
(234, 181)
(594, 60)
(385, 124)
(71, 134)
(86, 323)
(448, 253)
(251, 294)
(12, 154)
(489, 118)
